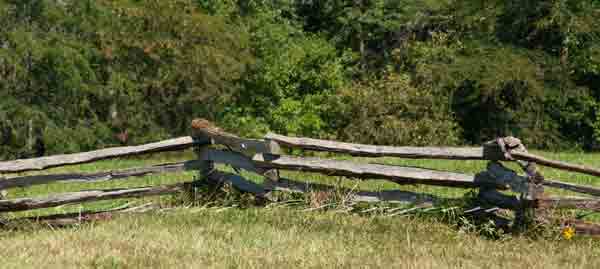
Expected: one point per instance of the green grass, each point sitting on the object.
(278, 236)
(281, 238)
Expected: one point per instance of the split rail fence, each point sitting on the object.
(498, 186)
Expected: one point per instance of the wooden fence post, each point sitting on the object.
(205, 167)
(202, 143)
(3, 193)
(271, 176)
(529, 212)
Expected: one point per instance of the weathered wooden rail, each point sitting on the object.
(91, 156)
(25, 181)
(530, 202)
(265, 157)
(449, 153)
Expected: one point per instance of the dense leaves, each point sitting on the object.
(84, 71)
(392, 111)
(78, 75)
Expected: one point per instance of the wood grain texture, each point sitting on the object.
(234, 159)
(569, 203)
(572, 187)
(238, 182)
(91, 156)
(205, 128)
(398, 174)
(25, 181)
(21, 204)
(524, 156)
(287, 185)
(452, 153)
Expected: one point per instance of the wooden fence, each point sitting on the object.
(524, 194)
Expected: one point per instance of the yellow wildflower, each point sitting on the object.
(568, 232)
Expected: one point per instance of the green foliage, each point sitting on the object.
(83, 71)
(91, 69)
(219, 7)
(503, 90)
(367, 27)
(393, 111)
(287, 88)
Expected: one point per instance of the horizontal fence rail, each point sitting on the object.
(530, 187)
(25, 181)
(572, 187)
(524, 156)
(96, 155)
(488, 152)
(512, 202)
(265, 158)
(398, 174)
(287, 185)
(21, 204)
(569, 203)
(204, 130)
(390, 196)
(449, 153)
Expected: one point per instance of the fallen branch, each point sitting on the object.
(91, 156)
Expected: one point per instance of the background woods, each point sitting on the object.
(80, 75)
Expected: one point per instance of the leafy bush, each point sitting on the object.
(393, 111)
(285, 90)
(470, 69)
(91, 69)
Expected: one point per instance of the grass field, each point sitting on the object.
(282, 236)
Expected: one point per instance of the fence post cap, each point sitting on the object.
(201, 123)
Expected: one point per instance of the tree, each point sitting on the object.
(361, 24)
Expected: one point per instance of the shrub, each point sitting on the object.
(90, 69)
(285, 90)
(393, 111)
